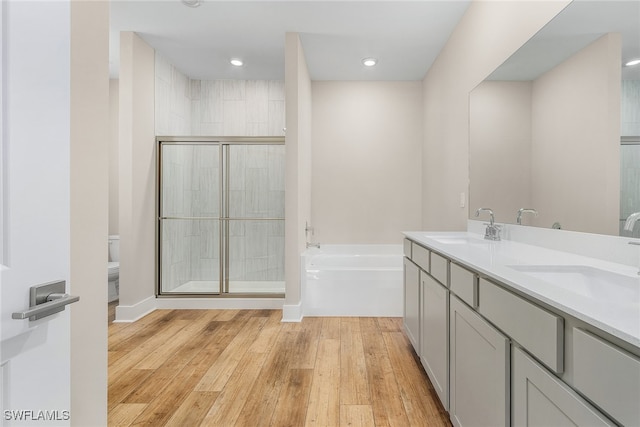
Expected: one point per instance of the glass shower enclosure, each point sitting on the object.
(221, 216)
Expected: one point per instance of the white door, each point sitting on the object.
(34, 209)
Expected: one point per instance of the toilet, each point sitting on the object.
(114, 268)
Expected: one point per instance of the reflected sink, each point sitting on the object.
(587, 281)
(459, 240)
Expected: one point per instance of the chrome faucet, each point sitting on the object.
(631, 221)
(525, 210)
(628, 226)
(492, 232)
(309, 229)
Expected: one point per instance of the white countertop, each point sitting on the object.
(601, 293)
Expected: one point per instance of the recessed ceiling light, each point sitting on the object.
(236, 62)
(191, 3)
(632, 62)
(369, 62)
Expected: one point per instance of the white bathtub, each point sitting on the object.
(352, 280)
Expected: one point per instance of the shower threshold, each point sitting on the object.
(240, 287)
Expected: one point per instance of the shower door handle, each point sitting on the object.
(45, 300)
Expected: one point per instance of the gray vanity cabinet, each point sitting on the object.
(479, 370)
(541, 399)
(412, 303)
(497, 357)
(434, 338)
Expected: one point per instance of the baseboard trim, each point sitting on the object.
(131, 313)
(292, 312)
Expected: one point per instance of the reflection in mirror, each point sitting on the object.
(629, 182)
(546, 126)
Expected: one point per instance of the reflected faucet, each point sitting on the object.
(628, 226)
(491, 217)
(631, 221)
(525, 210)
(492, 232)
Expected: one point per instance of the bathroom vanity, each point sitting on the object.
(516, 334)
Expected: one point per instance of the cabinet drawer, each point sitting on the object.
(536, 329)
(464, 284)
(439, 268)
(420, 256)
(608, 376)
(407, 248)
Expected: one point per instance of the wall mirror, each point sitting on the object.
(556, 127)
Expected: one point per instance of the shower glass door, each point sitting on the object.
(221, 221)
(190, 225)
(255, 232)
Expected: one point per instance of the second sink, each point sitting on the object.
(585, 280)
(459, 240)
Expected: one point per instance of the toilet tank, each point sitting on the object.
(114, 248)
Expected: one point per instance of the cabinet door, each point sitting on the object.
(434, 337)
(412, 302)
(479, 370)
(540, 399)
(608, 376)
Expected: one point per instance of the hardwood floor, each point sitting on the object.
(246, 368)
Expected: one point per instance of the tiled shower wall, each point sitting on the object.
(630, 186)
(630, 108)
(630, 154)
(186, 107)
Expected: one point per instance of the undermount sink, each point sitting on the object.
(459, 240)
(587, 281)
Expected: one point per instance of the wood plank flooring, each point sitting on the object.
(246, 368)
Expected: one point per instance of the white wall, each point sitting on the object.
(137, 166)
(488, 33)
(89, 210)
(298, 169)
(576, 115)
(366, 144)
(172, 99)
(500, 148)
(114, 89)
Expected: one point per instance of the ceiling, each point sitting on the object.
(405, 36)
(578, 25)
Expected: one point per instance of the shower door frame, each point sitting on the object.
(223, 219)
